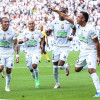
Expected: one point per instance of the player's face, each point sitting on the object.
(41, 28)
(31, 25)
(5, 24)
(80, 18)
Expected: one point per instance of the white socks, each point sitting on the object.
(55, 72)
(33, 74)
(8, 79)
(85, 67)
(96, 81)
(63, 67)
(36, 71)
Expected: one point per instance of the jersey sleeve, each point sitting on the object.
(93, 33)
(15, 36)
(52, 25)
(44, 34)
(40, 34)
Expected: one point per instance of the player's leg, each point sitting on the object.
(63, 58)
(62, 66)
(81, 63)
(35, 61)
(3, 73)
(9, 66)
(17, 53)
(92, 63)
(29, 65)
(46, 55)
(55, 58)
(2, 69)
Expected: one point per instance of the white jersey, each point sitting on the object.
(61, 31)
(33, 44)
(6, 41)
(86, 35)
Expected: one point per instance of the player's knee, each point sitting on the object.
(8, 71)
(1, 68)
(91, 71)
(34, 66)
(77, 69)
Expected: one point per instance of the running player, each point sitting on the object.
(90, 52)
(8, 38)
(45, 42)
(32, 50)
(61, 31)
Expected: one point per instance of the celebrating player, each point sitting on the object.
(90, 52)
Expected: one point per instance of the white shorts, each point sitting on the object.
(60, 53)
(32, 59)
(7, 61)
(87, 58)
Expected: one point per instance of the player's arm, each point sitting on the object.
(15, 45)
(42, 42)
(22, 41)
(98, 49)
(46, 40)
(70, 38)
(65, 16)
(48, 32)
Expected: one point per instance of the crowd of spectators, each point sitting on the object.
(20, 12)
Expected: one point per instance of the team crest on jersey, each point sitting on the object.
(64, 57)
(62, 26)
(89, 63)
(32, 36)
(11, 64)
(4, 37)
(36, 57)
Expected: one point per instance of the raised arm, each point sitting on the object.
(65, 16)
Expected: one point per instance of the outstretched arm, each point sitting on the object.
(65, 16)
(98, 49)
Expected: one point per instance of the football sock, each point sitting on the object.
(33, 74)
(96, 81)
(63, 67)
(46, 55)
(36, 72)
(41, 57)
(55, 72)
(8, 79)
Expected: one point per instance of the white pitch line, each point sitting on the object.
(26, 67)
(41, 66)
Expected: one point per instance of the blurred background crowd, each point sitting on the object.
(20, 12)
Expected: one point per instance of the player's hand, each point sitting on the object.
(26, 39)
(70, 38)
(41, 46)
(98, 60)
(47, 45)
(51, 9)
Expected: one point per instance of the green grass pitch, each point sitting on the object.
(77, 86)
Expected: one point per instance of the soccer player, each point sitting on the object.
(61, 31)
(90, 52)
(45, 42)
(8, 40)
(32, 49)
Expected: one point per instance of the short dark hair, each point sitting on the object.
(3, 18)
(86, 15)
(64, 10)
